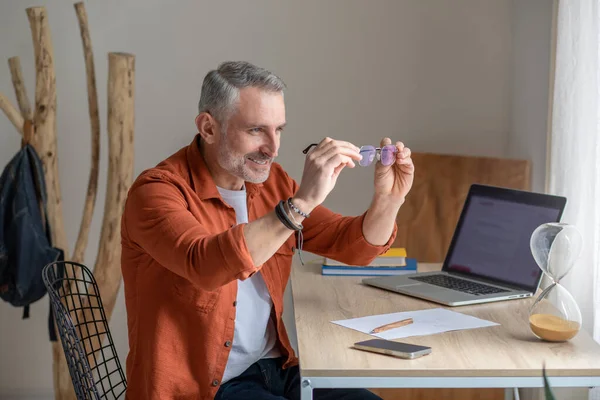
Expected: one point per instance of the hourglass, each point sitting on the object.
(555, 316)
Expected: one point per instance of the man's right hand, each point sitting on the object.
(321, 170)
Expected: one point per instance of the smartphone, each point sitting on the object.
(396, 349)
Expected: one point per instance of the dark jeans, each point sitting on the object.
(265, 380)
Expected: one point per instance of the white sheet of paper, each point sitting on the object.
(425, 322)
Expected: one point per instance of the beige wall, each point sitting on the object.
(438, 75)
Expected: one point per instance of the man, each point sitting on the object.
(208, 237)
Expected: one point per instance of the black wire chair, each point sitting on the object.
(82, 326)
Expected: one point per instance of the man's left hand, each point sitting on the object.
(393, 182)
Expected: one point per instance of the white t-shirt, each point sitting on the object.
(254, 334)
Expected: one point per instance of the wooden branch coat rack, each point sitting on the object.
(38, 128)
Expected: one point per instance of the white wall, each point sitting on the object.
(440, 78)
(532, 33)
(531, 45)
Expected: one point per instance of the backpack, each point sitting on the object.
(25, 241)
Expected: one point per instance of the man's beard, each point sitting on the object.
(236, 165)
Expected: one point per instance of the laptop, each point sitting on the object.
(489, 258)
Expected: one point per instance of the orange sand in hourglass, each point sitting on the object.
(553, 328)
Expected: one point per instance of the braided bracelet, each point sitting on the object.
(282, 218)
(296, 209)
(285, 219)
(290, 214)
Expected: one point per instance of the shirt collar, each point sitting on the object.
(204, 184)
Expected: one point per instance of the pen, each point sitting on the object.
(392, 325)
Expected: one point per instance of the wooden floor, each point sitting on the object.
(440, 394)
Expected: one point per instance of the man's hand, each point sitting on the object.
(321, 170)
(393, 182)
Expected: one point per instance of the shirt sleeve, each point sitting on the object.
(156, 218)
(339, 237)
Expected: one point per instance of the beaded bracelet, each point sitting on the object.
(296, 209)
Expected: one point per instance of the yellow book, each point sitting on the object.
(395, 252)
(394, 262)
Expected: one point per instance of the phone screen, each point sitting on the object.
(393, 346)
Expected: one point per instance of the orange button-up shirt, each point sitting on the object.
(182, 254)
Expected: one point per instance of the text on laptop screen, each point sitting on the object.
(493, 241)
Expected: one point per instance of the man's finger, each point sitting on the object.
(402, 151)
(347, 151)
(399, 147)
(337, 160)
(338, 169)
(343, 143)
(328, 144)
(385, 141)
(407, 164)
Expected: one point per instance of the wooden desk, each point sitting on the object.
(504, 356)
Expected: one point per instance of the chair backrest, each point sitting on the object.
(83, 329)
(429, 215)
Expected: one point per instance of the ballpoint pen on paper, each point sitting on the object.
(392, 325)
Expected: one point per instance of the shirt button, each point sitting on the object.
(215, 382)
(228, 343)
(235, 303)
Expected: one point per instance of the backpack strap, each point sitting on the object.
(39, 173)
(40, 183)
(28, 130)
(51, 326)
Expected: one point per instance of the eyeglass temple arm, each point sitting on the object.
(310, 146)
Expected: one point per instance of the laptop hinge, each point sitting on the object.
(488, 281)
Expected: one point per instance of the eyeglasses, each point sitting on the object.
(385, 154)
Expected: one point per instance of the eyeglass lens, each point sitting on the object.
(368, 155)
(387, 155)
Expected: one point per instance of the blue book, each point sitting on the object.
(371, 270)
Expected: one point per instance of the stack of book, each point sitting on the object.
(392, 262)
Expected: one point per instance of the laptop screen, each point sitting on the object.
(493, 239)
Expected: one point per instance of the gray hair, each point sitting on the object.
(221, 87)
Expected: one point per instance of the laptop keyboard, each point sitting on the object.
(458, 284)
